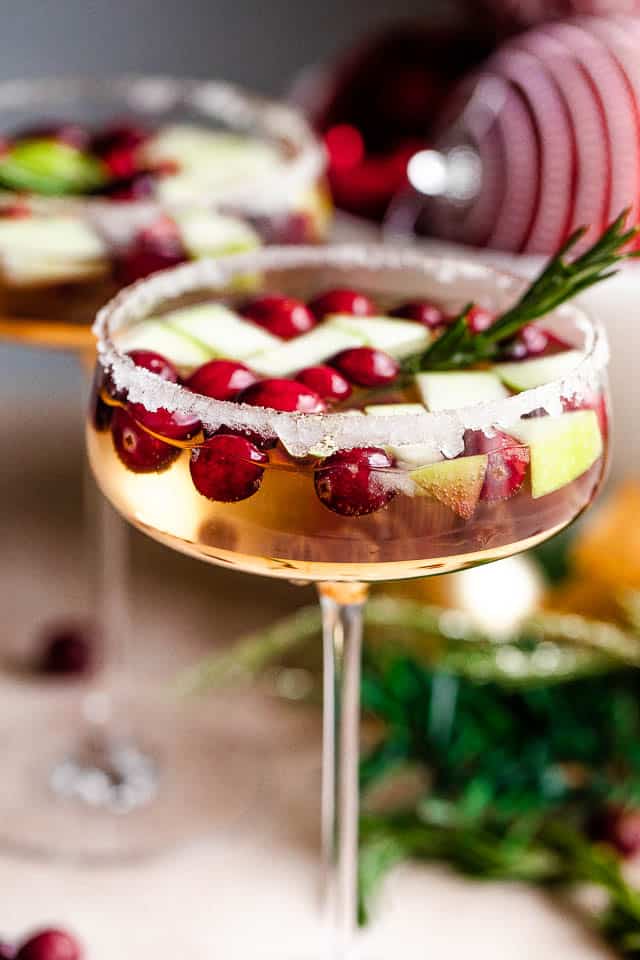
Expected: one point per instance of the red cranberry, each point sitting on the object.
(66, 651)
(282, 316)
(326, 382)
(506, 466)
(283, 395)
(119, 136)
(619, 827)
(351, 482)
(154, 248)
(534, 341)
(155, 363)
(227, 468)
(422, 311)
(168, 423)
(366, 367)
(137, 449)
(70, 133)
(100, 413)
(342, 300)
(50, 945)
(127, 188)
(221, 379)
(479, 319)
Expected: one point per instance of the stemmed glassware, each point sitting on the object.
(63, 253)
(375, 488)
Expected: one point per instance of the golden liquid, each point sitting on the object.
(284, 530)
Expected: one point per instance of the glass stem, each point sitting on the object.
(342, 606)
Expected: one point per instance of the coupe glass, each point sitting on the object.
(284, 530)
(131, 756)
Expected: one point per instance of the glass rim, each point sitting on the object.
(303, 433)
(240, 109)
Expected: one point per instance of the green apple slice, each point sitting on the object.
(207, 234)
(528, 374)
(449, 391)
(407, 455)
(397, 337)
(221, 331)
(181, 350)
(455, 483)
(562, 448)
(305, 351)
(39, 249)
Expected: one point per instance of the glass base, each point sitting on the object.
(96, 796)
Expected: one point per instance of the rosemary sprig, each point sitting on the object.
(559, 281)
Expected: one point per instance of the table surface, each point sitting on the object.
(247, 889)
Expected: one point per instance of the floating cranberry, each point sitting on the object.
(171, 424)
(100, 413)
(137, 449)
(70, 133)
(342, 300)
(119, 136)
(221, 379)
(366, 367)
(506, 465)
(479, 319)
(129, 187)
(154, 248)
(534, 341)
(353, 483)
(286, 395)
(227, 468)
(326, 382)
(282, 316)
(422, 311)
(50, 945)
(619, 827)
(66, 651)
(155, 363)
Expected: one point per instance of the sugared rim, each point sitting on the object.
(159, 95)
(304, 433)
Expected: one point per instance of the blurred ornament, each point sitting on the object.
(519, 13)
(378, 106)
(543, 139)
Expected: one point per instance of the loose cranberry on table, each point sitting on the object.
(366, 367)
(227, 468)
(221, 379)
(507, 463)
(326, 382)
(281, 394)
(422, 311)
(342, 300)
(156, 247)
(352, 482)
(282, 316)
(50, 945)
(137, 449)
(66, 650)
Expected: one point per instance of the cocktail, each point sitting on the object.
(104, 181)
(358, 414)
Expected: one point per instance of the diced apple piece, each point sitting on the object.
(306, 351)
(409, 455)
(455, 389)
(181, 350)
(208, 234)
(528, 374)
(223, 332)
(455, 483)
(397, 337)
(562, 448)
